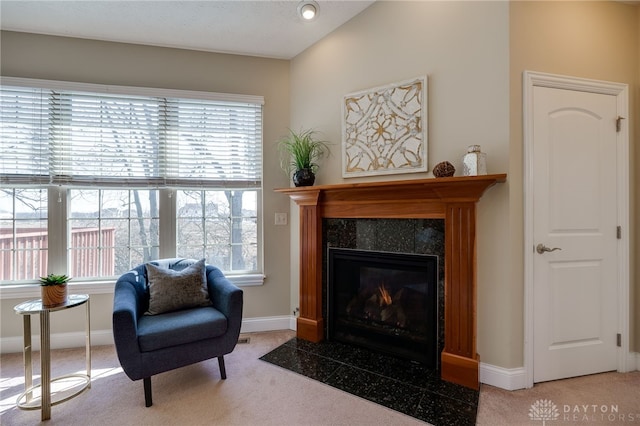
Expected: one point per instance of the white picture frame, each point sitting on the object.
(384, 129)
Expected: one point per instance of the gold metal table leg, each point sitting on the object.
(88, 341)
(45, 364)
(29, 399)
(26, 351)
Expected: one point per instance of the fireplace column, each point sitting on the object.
(310, 322)
(459, 360)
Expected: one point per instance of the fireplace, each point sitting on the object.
(450, 198)
(384, 301)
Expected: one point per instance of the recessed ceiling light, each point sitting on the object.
(308, 10)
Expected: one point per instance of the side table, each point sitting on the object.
(29, 400)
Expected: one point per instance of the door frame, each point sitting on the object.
(621, 91)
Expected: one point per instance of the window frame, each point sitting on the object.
(58, 206)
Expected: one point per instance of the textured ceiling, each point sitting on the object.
(257, 28)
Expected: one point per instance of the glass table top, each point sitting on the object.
(35, 306)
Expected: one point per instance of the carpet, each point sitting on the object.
(255, 393)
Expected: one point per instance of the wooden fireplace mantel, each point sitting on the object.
(452, 199)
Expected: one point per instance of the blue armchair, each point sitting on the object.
(152, 344)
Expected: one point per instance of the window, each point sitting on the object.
(111, 230)
(137, 174)
(220, 226)
(23, 233)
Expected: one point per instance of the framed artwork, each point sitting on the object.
(384, 129)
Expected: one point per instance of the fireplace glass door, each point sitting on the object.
(384, 301)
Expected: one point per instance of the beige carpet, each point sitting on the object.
(255, 393)
(259, 393)
(599, 399)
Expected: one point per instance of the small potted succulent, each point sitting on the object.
(54, 290)
(299, 153)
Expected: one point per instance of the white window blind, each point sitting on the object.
(24, 136)
(119, 136)
(213, 142)
(102, 139)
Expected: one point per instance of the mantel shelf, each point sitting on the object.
(443, 188)
(452, 199)
(418, 198)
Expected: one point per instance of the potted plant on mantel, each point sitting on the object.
(299, 153)
(54, 290)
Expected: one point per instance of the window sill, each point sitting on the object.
(32, 291)
(249, 280)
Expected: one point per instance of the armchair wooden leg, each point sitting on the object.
(147, 392)
(223, 373)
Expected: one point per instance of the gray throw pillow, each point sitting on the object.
(171, 290)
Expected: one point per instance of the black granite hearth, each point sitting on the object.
(404, 386)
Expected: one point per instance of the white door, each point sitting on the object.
(574, 210)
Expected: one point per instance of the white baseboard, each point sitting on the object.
(631, 362)
(516, 378)
(504, 378)
(105, 337)
(250, 325)
(75, 339)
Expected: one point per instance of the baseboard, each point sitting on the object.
(631, 362)
(504, 378)
(58, 341)
(515, 378)
(250, 325)
(105, 337)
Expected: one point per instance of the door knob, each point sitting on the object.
(541, 248)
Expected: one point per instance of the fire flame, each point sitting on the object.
(385, 297)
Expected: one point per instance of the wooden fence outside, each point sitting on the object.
(31, 246)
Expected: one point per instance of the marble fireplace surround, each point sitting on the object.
(452, 199)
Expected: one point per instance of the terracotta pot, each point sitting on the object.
(54, 295)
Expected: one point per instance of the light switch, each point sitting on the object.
(281, 219)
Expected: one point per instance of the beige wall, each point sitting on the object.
(596, 40)
(59, 58)
(464, 50)
(474, 54)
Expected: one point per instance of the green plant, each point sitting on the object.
(301, 150)
(53, 279)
